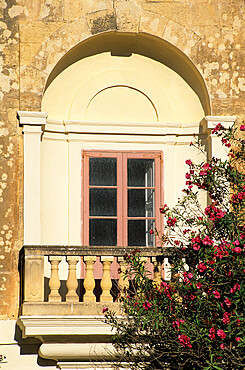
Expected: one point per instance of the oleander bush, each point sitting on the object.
(196, 320)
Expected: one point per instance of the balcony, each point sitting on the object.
(54, 310)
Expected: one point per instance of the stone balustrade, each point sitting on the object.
(32, 272)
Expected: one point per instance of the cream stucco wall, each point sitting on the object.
(11, 349)
(131, 88)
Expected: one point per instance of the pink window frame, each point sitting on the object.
(122, 205)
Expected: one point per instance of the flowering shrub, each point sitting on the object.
(195, 321)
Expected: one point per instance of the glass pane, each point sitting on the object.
(141, 203)
(141, 172)
(103, 232)
(139, 233)
(103, 171)
(102, 202)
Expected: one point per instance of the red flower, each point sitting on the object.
(214, 213)
(242, 127)
(151, 231)
(217, 128)
(201, 267)
(163, 209)
(221, 334)
(226, 318)
(227, 302)
(105, 309)
(171, 221)
(216, 294)
(238, 339)
(147, 305)
(189, 162)
(184, 340)
(212, 333)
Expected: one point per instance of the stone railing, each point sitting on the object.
(34, 288)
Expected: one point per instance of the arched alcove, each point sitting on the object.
(126, 77)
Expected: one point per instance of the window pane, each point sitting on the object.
(103, 232)
(140, 203)
(141, 172)
(102, 202)
(139, 233)
(103, 171)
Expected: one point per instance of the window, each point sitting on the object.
(121, 193)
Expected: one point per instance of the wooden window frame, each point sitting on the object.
(122, 206)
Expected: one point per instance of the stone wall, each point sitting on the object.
(35, 34)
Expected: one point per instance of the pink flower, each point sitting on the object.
(212, 333)
(206, 166)
(196, 247)
(198, 285)
(216, 294)
(217, 128)
(176, 324)
(189, 162)
(238, 339)
(214, 213)
(236, 287)
(227, 302)
(222, 346)
(226, 318)
(242, 127)
(184, 340)
(147, 305)
(171, 221)
(201, 267)
(190, 275)
(163, 209)
(226, 143)
(221, 334)
(237, 250)
(207, 240)
(105, 309)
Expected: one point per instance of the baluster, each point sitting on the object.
(72, 282)
(54, 282)
(89, 282)
(106, 282)
(157, 263)
(123, 282)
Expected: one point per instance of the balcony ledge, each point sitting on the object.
(80, 327)
(70, 337)
(67, 308)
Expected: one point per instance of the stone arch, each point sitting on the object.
(123, 45)
(157, 29)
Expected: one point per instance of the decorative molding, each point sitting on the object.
(226, 121)
(32, 118)
(42, 326)
(79, 351)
